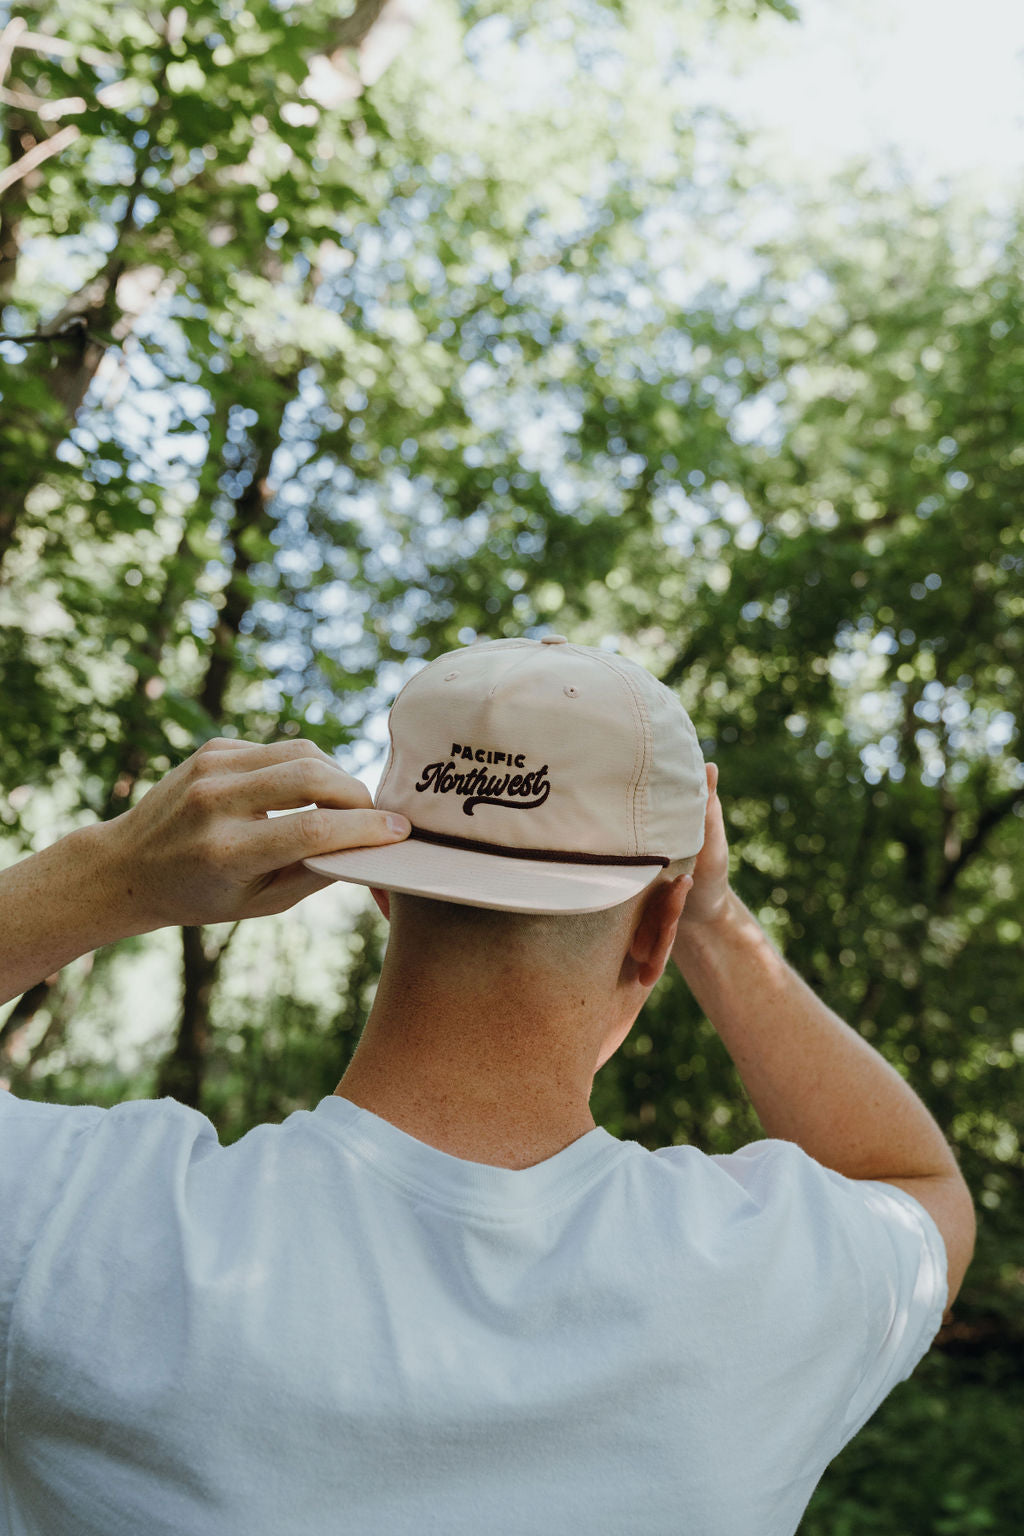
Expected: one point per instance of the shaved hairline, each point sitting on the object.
(546, 936)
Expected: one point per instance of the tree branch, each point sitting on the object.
(350, 32)
(9, 37)
(990, 817)
(42, 151)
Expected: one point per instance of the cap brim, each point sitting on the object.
(505, 884)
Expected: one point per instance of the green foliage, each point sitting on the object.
(942, 1455)
(320, 332)
(291, 1052)
(356, 383)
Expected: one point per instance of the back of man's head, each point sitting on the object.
(532, 944)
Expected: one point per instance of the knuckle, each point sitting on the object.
(202, 793)
(204, 762)
(214, 853)
(315, 825)
(308, 777)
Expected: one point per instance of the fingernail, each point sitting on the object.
(401, 826)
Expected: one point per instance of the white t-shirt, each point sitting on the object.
(332, 1329)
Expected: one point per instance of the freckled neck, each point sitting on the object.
(496, 1073)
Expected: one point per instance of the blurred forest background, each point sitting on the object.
(346, 339)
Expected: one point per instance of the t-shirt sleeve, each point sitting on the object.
(38, 1146)
(877, 1231)
(904, 1278)
(54, 1157)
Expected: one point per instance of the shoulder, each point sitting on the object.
(45, 1147)
(825, 1229)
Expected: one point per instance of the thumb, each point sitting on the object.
(712, 770)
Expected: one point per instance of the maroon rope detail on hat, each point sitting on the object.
(546, 855)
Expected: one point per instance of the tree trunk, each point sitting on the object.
(61, 1000)
(182, 1073)
(376, 32)
(181, 1076)
(17, 139)
(135, 707)
(24, 1011)
(250, 514)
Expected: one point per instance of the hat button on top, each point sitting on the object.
(554, 640)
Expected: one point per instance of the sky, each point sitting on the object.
(942, 81)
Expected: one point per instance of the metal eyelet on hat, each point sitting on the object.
(571, 692)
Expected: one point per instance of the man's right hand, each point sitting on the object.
(707, 897)
(199, 847)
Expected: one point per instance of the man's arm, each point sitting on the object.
(811, 1078)
(199, 847)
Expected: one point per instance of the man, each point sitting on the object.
(444, 1300)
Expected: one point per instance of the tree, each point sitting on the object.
(274, 361)
(840, 609)
(155, 158)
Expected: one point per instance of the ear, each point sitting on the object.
(383, 900)
(656, 931)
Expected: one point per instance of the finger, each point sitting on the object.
(261, 754)
(223, 744)
(285, 840)
(299, 781)
(712, 771)
(285, 888)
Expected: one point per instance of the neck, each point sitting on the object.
(498, 1074)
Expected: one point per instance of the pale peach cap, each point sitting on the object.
(539, 776)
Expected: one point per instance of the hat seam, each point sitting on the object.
(633, 792)
(640, 794)
(435, 663)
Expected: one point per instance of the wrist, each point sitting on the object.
(59, 904)
(732, 939)
(101, 884)
(696, 931)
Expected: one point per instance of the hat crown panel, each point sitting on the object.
(557, 747)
